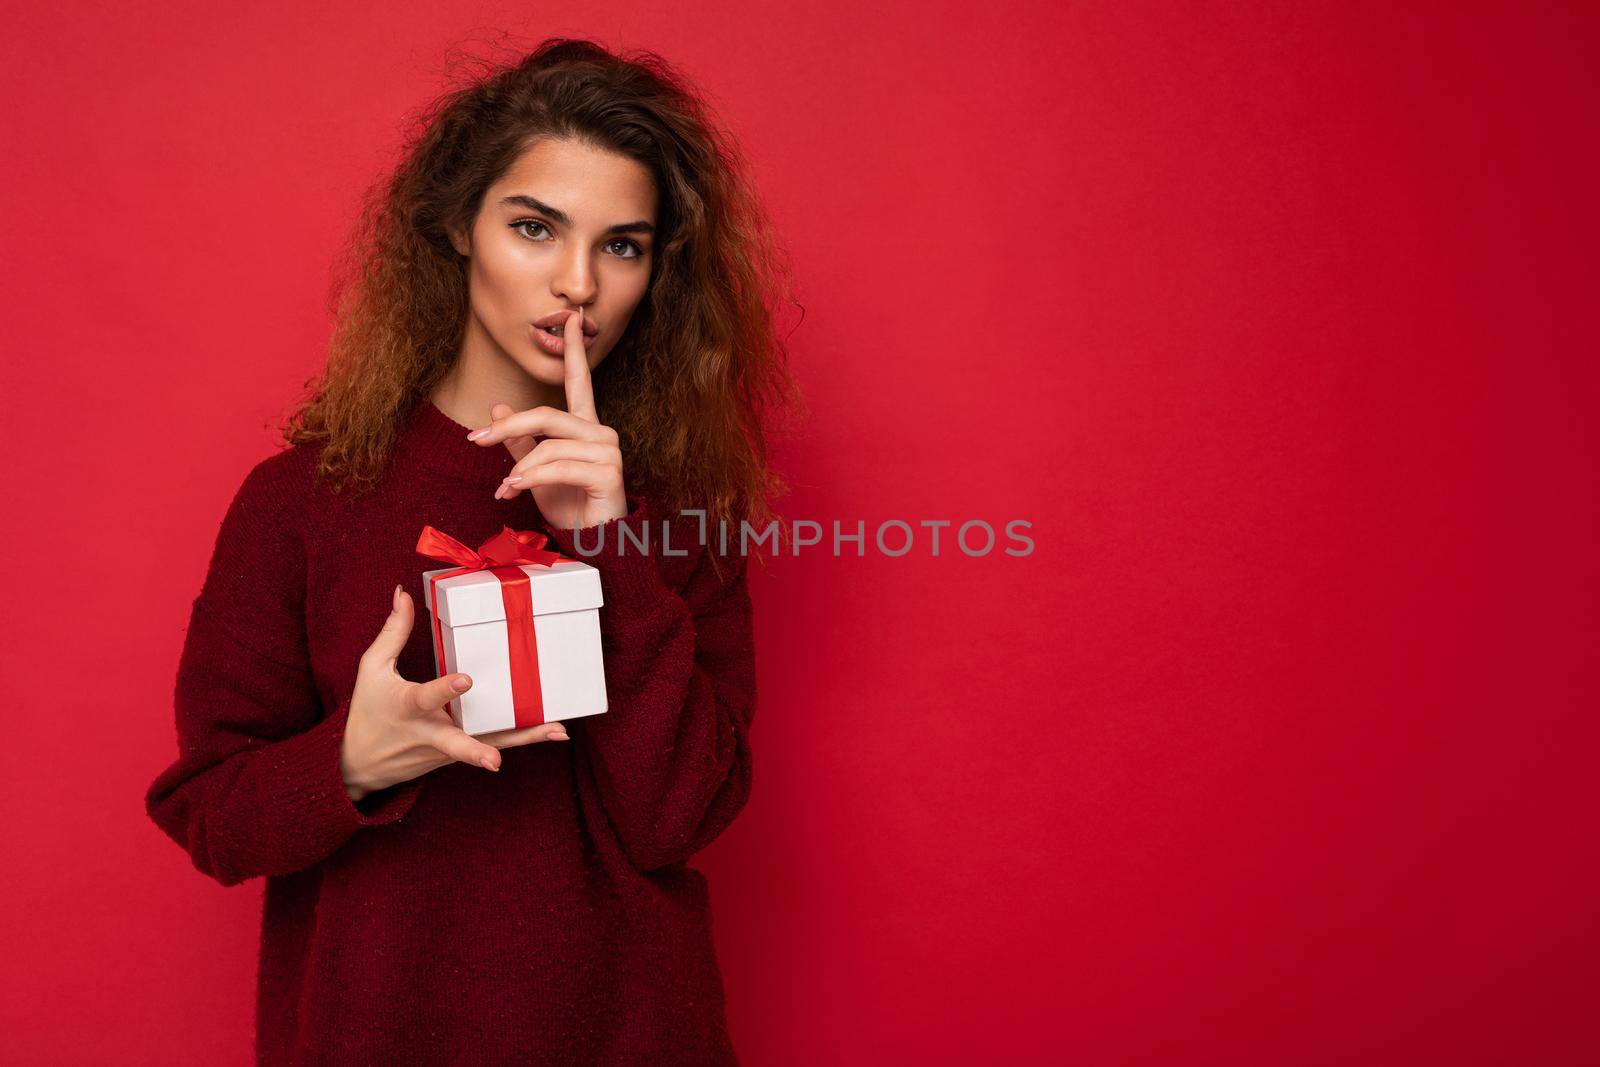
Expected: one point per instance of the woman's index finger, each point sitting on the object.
(580, 388)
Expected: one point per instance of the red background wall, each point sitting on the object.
(1275, 750)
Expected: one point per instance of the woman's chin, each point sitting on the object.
(543, 367)
(550, 368)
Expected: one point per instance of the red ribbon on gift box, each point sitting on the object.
(503, 556)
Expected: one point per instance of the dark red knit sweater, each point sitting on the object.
(543, 914)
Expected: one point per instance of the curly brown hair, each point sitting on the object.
(693, 386)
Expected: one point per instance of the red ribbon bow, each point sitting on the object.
(502, 555)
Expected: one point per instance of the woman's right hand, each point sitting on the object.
(399, 730)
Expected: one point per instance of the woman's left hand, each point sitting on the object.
(575, 472)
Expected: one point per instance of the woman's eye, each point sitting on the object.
(633, 251)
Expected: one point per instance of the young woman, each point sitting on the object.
(560, 319)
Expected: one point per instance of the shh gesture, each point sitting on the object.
(575, 471)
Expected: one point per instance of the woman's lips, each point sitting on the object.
(555, 345)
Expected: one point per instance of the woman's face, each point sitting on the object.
(568, 226)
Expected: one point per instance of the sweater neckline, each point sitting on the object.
(434, 441)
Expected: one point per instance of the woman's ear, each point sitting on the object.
(460, 242)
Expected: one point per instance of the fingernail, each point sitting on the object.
(395, 600)
(560, 737)
(461, 685)
(475, 434)
(487, 764)
(513, 479)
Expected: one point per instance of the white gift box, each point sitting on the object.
(473, 636)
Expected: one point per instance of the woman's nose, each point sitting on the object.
(574, 280)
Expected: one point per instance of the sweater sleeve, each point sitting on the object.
(256, 788)
(672, 754)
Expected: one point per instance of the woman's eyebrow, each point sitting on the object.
(533, 204)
